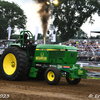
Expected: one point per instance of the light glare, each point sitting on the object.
(48, 3)
(55, 2)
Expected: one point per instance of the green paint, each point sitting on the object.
(74, 70)
(14, 44)
(33, 72)
(62, 57)
(55, 47)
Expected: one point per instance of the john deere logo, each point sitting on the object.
(41, 54)
(41, 57)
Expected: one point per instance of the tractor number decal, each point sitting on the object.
(41, 57)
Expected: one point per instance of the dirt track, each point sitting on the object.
(93, 69)
(40, 90)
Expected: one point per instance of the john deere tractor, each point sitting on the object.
(49, 62)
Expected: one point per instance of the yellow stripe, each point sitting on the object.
(37, 49)
(52, 49)
(62, 49)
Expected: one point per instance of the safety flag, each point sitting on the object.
(36, 33)
(9, 32)
(53, 35)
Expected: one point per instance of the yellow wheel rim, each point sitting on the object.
(71, 79)
(9, 64)
(51, 76)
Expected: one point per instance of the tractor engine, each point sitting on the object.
(58, 54)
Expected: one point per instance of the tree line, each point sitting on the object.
(11, 15)
(69, 17)
(71, 14)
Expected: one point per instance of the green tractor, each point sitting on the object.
(49, 62)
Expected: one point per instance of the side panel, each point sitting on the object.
(71, 57)
(57, 57)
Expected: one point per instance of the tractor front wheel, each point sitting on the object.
(73, 81)
(52, 76)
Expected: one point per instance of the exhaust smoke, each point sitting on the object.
(44, 15)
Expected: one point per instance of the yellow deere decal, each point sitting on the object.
(41, 58)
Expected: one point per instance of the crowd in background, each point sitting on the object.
(88, 50)
(3, 44)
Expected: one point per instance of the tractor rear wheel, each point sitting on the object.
(14, 64)
(52, 76)
(73, 81)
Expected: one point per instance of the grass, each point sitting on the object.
(88, 77)
(93, 78)
(91, 67)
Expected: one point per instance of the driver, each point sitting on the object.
(26, 41)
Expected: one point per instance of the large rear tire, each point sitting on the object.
(52, 76)
(14, 64)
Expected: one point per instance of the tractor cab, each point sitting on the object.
(26, 41)
(25, 36)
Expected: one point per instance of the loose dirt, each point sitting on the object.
(87, 89)
(93, 69)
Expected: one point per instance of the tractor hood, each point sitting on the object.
(49, 47)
